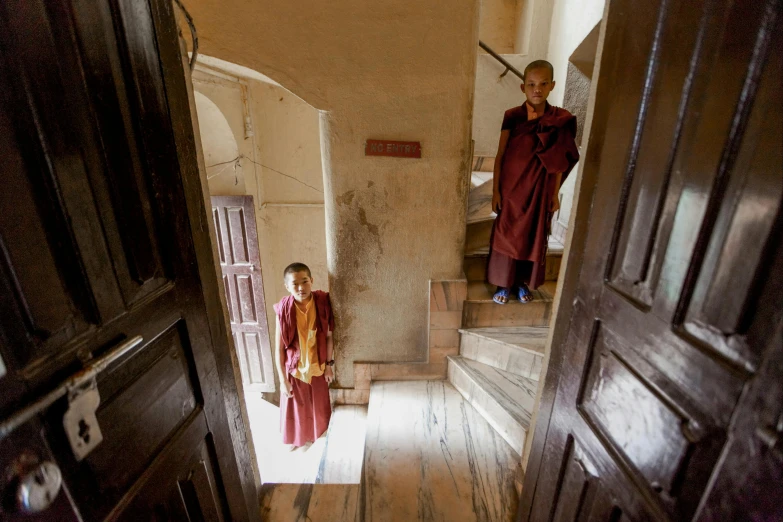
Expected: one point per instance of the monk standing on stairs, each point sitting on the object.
(537, 150)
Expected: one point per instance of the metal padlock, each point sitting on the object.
(80, 423)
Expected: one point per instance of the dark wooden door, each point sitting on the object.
(103, 238)
(668, 398)
(240, 262)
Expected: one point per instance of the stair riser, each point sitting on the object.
(477, 235)
(483, 314)
(502, 356)
(476, 267)
(508, 428)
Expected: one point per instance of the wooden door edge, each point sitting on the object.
(241, 478)
(575, 245)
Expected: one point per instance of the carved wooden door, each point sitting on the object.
(668, 399)
(105, 263)
(240, 262)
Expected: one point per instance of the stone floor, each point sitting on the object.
(431, 456)
(333, 459)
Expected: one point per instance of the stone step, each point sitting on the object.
(475, 265)
(480, 204)
(515, 349)
(478, 178)
(430, 456)
(483, 164)
(304, 502)
(504, 399)
(477, 237)
(479, 310)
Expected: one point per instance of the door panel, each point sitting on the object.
(96, 247)
(674, 309)
(240, 261)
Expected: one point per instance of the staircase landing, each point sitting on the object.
(429, 455)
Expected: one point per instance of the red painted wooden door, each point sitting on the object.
(240, 262)
(668, 397)
(103, 240)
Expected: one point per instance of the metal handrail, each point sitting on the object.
(502, 60)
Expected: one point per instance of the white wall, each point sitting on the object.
(287, 137)
(572, 21)
(494, 95)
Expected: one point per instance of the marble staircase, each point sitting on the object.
(501, 350)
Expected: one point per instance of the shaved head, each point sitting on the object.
(540, 64)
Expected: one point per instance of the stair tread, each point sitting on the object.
(480, 204)
(554, 247)
(530, 338)
(480, 292)
(514, 394)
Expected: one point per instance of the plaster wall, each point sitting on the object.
(288, 143)
(498, 24)
(494, 95)
(221, 115)
(402, 70)
(572, 21)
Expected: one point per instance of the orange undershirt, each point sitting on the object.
(308, 366)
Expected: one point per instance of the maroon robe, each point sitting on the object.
(536, 151)
(305, 416)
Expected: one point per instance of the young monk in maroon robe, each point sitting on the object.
(304, 356)
(536, 152)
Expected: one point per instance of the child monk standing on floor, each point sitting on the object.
(536, 152)
(304, 356)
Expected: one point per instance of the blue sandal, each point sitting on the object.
(524, 294)
(502, 292)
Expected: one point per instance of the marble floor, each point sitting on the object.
(335, 458)
(430, 456)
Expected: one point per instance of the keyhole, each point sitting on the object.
(84, 431)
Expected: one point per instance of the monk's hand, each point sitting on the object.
(329, 375)
(496, 202)
(286, 388)
(554, 205)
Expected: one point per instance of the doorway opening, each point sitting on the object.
(261, 147)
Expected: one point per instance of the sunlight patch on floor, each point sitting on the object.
(335, 458)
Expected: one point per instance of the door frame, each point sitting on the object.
(568, 278)
(181, 102)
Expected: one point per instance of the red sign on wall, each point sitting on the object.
(397, 149)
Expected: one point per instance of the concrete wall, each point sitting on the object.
(402, 70)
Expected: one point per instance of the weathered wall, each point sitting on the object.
(572, 22)
(402, 70)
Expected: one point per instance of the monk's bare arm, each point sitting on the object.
(555, 205)
(496, 203)
(329, 357)
(284, 384)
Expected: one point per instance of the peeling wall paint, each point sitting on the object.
(402, 70)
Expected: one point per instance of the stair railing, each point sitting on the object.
(502, 60)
